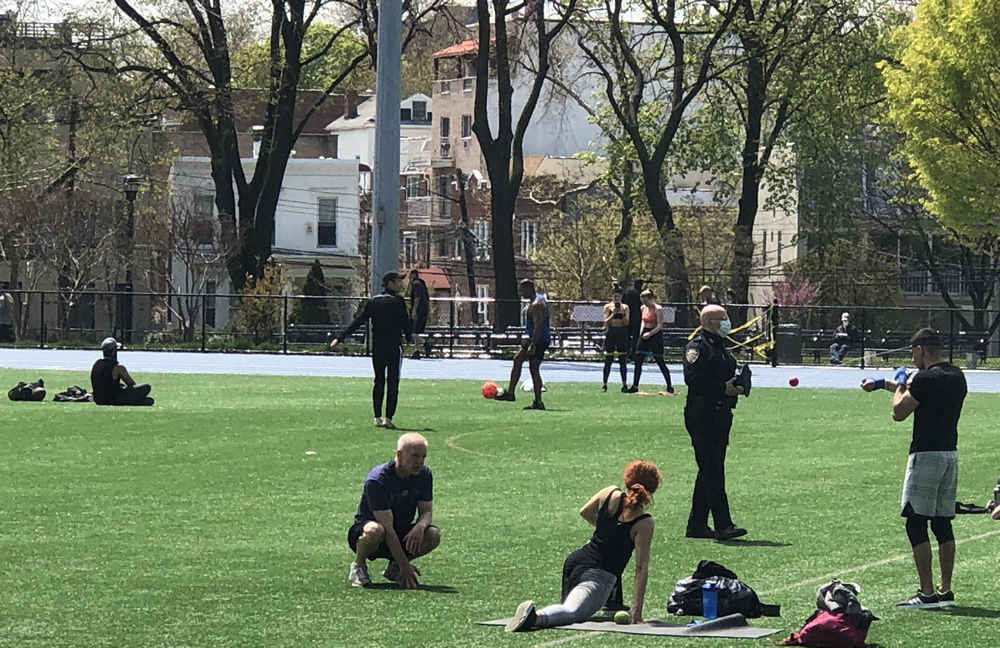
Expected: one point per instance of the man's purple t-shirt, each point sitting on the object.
(384, 490)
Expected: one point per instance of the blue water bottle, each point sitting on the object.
(710, 600)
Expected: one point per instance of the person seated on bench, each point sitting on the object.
(107, 376)
(590, 573)
(843, 337)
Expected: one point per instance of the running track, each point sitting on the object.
(139, 362)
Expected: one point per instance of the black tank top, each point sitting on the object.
(610, 548)
(102, 383)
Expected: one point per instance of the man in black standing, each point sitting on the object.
(934, 395)
(390, 322)
(420, 306)
(632, 299)
(710, 374)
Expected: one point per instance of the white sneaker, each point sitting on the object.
(391, 571)
(359, 575)
(387, 424)
(379, 422)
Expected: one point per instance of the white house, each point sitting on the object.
(356, 134)
(317, 217)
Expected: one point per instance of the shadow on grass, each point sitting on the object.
(960, 610)
(406, 429)
(435, 589)
(736, 542)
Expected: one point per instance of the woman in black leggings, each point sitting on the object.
(650, 341)
(616, 318)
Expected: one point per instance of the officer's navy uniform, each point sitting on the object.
(708, 417)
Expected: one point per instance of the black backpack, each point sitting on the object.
(735, 596)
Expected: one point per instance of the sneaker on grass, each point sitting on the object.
(536, 405)
(945, 599)
(505, 396)
(379, 422)
(387, 424)
(391, 571)
(359, 575)
(921, 601)
(523, 619)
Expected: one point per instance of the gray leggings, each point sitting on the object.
(589, 596)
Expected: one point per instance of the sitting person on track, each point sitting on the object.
(590, 573)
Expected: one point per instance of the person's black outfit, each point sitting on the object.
(390, 322)
(420, 307)
(708, 417)
(108, 390)
(631, 299)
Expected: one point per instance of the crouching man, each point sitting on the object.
(384, 526)
(111, 383)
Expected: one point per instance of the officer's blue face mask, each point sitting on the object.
(725, 326)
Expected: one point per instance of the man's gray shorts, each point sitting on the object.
(931, 483)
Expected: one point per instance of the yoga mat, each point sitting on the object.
(734, 626)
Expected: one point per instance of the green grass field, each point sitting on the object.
(202, 521)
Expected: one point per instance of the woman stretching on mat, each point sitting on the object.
(590, 572)
(650, 341)
(616, 318)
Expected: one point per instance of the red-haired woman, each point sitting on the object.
(590, 572)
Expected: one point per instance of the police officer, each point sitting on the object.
(390, 322)
(710, 374)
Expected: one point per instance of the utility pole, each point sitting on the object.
(385, 215)
(131, 182)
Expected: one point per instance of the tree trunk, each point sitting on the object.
(508, 303)
(675, 264)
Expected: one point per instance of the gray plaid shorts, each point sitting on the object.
(931, 483)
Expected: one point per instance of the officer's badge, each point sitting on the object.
(691, 355)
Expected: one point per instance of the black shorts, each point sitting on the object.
(540, 349)
(653, 346)
(616, 342)
(383, 549)
(419, 322)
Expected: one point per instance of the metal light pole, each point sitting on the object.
(385, 214)
(131, 183)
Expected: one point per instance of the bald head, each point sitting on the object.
(409, 440)
(712, 317)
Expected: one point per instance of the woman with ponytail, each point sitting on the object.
(590, 573)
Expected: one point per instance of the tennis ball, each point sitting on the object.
(622, 617)
(793, 381)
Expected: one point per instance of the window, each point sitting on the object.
(466, 125)
(445, 127)
(405, 115)
(202, 226)
(445, 87)
(211, 288)
(419, 111)
(482, 294)
(763, 248)
(481, 229)
(457, 248)
(442, 247)
(467, 85)
(326, 230)
(413, 186)
(444, 201)
(529, 237)
(779, 249)
(410, 247)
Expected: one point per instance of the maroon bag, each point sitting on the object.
(831, 630)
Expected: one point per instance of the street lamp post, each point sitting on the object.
(131, 185)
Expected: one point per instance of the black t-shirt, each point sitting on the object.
(940, 389)
(419, 299)
(102, 384)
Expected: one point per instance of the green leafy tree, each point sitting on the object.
(314, 308)
(943, 95)
(261, 308)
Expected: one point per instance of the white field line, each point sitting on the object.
(451, 443)
(818, 580)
